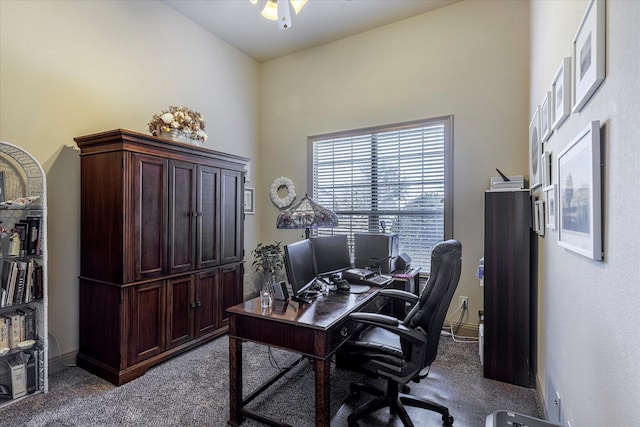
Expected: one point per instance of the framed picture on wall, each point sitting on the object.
(560, 94)
(551, 208)
(2, 195)
(579, 197)
(249, 201)
(545, 117)
(534, 149)
(545, 169)
(538, 216)
(588, 54)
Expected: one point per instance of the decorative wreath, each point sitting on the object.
(278, 183)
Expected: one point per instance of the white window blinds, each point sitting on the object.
(396, 174)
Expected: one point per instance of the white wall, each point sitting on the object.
(589, 340)
(469, 59)
(71, 68)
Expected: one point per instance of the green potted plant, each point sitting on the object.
(268, 263)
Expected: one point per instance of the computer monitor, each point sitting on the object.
(331, 254)
(299, 265)
(375, 250)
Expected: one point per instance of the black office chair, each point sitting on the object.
(403, 350)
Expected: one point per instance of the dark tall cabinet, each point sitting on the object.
(161, 249)
(510, 263)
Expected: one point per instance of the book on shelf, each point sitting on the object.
(28, 286)
(38, 281)
(31, 370)
(22, 229)
(21, 282)
(29, 315)
(21, 277)
(11, 282)
(33, 235)
(14, 330)
(4, 332)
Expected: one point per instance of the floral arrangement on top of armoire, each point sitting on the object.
(179, 124)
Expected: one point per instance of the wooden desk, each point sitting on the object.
(315, 330)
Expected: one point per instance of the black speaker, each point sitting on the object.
(280, 292)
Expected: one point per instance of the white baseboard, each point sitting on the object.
(58, 363)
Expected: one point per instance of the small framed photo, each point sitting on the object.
(545, 169)
(534, 149)
(538, 217)
(589, 54)
(249, 201)
(579, 195)
(560, 94)
(545, 117)
(551, 205)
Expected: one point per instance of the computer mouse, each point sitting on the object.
(342, 285)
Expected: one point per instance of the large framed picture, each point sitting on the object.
(579, 195)
(551, 205)
(249, 201)
(560, 93)
(534, 149)
(589, 54)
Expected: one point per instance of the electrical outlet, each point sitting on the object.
(464, 302)
(557, 402)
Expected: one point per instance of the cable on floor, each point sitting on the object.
(69, 365)
(452, 332)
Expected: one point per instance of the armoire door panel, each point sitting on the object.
(231, 216)
(207, 313)
(180, 307)
(149, 217)
(230, 289)
(146, 335)
(208, 252)
(182, 216)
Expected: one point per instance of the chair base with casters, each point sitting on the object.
(395, 401)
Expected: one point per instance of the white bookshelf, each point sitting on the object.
(22, 176)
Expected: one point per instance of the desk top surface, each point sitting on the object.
(321, 314)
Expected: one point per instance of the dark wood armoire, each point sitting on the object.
(510, 279)
(161, 249)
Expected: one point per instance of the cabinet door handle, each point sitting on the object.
(344, 331)
(199, 303)
(193, 304)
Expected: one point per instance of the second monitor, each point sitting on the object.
(331, 254)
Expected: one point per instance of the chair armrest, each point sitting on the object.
(400, 294)
(391, 324)
(375, 319)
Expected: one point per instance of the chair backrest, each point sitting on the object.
(430, 311)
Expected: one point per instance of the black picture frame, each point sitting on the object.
(2, 194)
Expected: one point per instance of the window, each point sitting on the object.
(399, 174)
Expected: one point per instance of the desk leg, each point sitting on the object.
(322, 392)
(235, 381)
